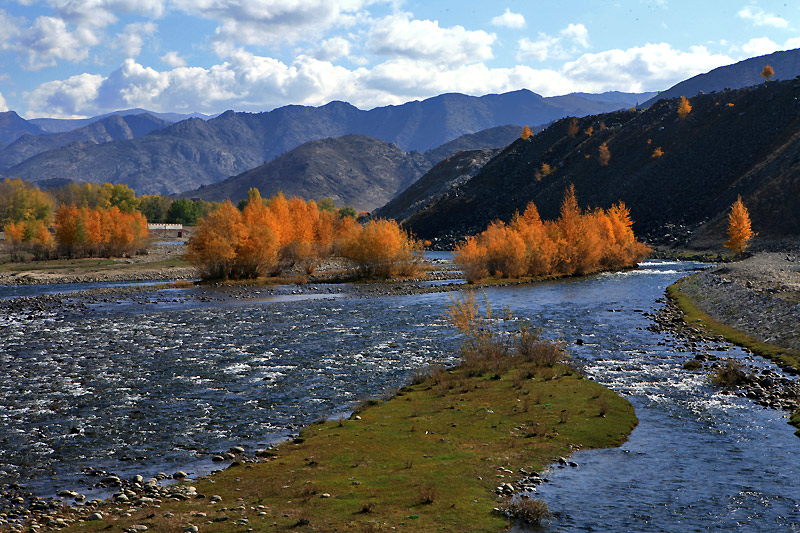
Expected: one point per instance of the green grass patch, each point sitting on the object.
(693, 315)
(428, 459)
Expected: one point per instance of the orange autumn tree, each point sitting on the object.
(603, 155)
(684, 107)
(575, 243)
(739, 230)
(216, 242)
(767, 72)
(270, 235)
(381, 248)
(87, 232)
(572, 127)
(526, 133)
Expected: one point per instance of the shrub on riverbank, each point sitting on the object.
(381, 248)
(729, 376)
(267, 236)
(493, 343)
(576, 243)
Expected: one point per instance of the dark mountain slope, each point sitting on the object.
(443, 177)
(498, 137)
(13, 126)
(113, 128)
(195, 152)
(738, 142)
(353, 170)
(742, 74)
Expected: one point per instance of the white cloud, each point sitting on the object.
(9, 30)
(641, 68)
(577, 33)
(758, 17)
(275, 22)
(101, 13)
(3, 105)
(508, 19)
(173, 59)
(759, 46)
(249, 82)
(73, 97)
(400, 36)
(131, 40)
(571, 40)
(539, 50)
(49, 40)
(333, 48)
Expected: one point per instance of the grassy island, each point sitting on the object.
(429, 458)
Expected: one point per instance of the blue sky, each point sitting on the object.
(77, 58)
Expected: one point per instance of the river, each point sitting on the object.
(163, 382)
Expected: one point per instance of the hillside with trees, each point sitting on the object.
(786, 66)
(677, 167)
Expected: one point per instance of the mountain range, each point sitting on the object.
(111, 128)
(355, 170)
(195, 152)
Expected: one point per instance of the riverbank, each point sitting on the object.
(162, 262)
(440, 454)
(754, 304)
(758, 297)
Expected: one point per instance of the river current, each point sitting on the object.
(138, 387)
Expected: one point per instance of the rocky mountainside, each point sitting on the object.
(13, 126)
(678, 176)
(319, 169)
(108, 129)
(498, 137)
(354, 170)
(438, 181)
(194, 152)
(742, 74)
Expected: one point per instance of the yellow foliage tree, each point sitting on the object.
(576, 243)
(684, 107)
(526, 133)
(544, 171)
(658, 152)
(572, 127)
(382, 248)
(767, 72)
(603, 155)
(739, 230)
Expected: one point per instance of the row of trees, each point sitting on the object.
(267, 236)
(80, 232)
(576, 243)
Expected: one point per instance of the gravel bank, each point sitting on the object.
(759, 296)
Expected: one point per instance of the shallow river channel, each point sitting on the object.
(166, 380)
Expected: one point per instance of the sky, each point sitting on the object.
(81, 58)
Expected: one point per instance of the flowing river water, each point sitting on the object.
(164, 382)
